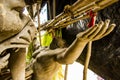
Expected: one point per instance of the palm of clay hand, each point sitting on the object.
(96, 32)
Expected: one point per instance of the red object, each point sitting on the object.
(92, 18)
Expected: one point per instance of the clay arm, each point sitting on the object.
(94, 33)
(46, 51)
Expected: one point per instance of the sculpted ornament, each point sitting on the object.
(16, 31)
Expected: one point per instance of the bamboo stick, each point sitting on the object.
(38, 14)
(79, 9)
(76, 14)
(53, 21)
(87, 8)
(71, 22)
(81, 3)
(58, 18)
(104, 3)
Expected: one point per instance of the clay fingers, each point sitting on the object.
(106, 29)
(110, 29)
(103, 30)
(86, 33)
(89, 32)
(95, 33)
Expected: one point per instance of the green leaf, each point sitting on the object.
(46, 39)
(29, 53)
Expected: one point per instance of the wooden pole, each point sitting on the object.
(54, 8)
(87, 60)
(66, 72)
(49, 8)
(38, 14)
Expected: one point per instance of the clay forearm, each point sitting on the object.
(72, 53)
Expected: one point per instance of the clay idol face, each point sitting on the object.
(11, 21)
